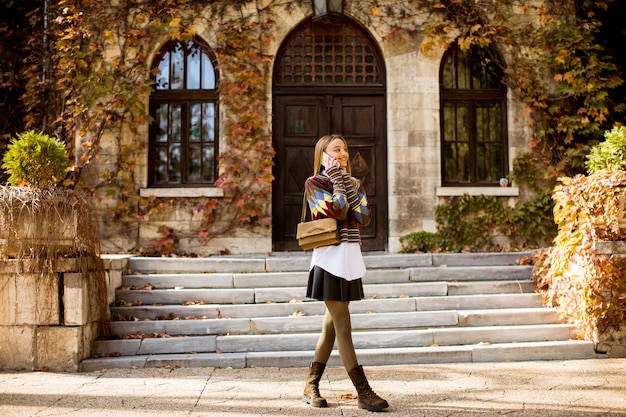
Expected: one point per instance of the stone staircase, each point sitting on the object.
(251, 312)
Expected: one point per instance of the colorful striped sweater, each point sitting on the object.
(335, 194)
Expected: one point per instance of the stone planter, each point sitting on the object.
(53, 293)
(48, 316)
(34, 221)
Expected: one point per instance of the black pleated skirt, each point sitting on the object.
(325, 286)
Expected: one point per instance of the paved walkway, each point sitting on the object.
(589, 388)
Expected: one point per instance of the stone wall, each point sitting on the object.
(613, 342)
(49, 317)
(413, 138)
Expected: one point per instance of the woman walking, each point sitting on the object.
(336, 271)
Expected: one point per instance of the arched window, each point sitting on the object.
(474, 145)
(183, 136)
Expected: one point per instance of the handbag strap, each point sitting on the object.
(303, 207)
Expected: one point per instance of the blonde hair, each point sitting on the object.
(320, 147)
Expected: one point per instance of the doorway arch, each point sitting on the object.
(329, 77)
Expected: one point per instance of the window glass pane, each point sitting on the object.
(162, 122)
(195, 163)
(193, 66)
(489, 162)
(495, 125)
(449, 127)
(163, 78)
(175, 123)
(208, 122)
(160, 165)
(450, 162)
(497, 167)
(208, 163)
(457, 162)
(463, 71)
(493, 77)
(482, 124)
(463, 160)
(174, 165)
(178, 67)
(482, 162)
(208, 73)
(478, 73)
(462, 123)
(195, 122)
(448, 73)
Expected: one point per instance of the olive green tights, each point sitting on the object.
(336, 324)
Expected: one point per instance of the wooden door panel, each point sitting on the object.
(362, 124)
(363, 164)
(358, 120)
(299, 122)
(301, 118)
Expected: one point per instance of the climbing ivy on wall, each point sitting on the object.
(88, 75)
(554, 64)
(246, 164)
(96, 81)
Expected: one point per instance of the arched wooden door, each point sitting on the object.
(329, 78)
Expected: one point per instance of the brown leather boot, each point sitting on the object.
(367, 397)
(311, 389)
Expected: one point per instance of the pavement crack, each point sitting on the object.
(201, 393)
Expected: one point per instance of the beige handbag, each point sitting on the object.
(316, 233)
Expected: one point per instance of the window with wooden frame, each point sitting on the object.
(474, 145)
(183, 136)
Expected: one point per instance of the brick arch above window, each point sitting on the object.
(184, 105)
(474, 132)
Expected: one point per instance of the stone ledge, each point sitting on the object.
(616, 248)
(493, 191)
(182, 192)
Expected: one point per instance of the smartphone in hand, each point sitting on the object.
(327, 160)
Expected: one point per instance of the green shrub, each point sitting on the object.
(418, 242)
(609, 155)
(35, 159)
(468, 222)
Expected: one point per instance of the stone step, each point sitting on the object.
(251, 311)
(473, 302)
(295, 278)
(492, 287)
(310, 308)
(470, 273)
(298, 278)
(275, 325)
(251, 280)
(313, 323)
(480, 352)
(299, 261)
(264, 295)
(363, 339)
(425, 290)
(187, 295)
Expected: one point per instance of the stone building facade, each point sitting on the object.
(421, 125)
